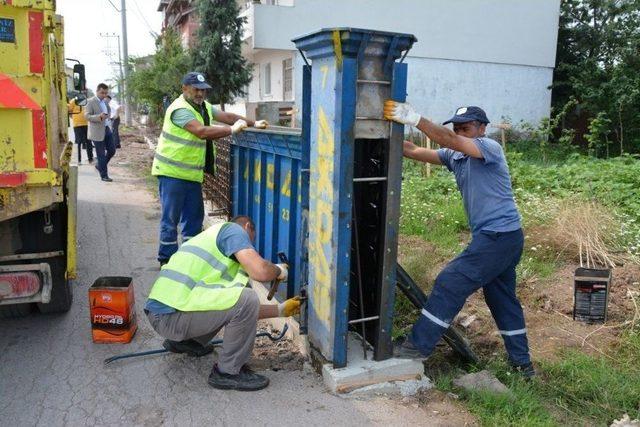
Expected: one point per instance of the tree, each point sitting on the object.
(598, 65)
(217, 50)
(160, 76)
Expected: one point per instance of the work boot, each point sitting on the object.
(190, 347)
(245, 380)
(404, 349)
(527, 371)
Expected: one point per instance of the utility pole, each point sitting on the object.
(125, 54)
(108, 52)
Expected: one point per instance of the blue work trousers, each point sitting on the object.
(105, 150)
(181, 202)
(489, 262)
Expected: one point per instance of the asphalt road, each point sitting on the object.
(52, 374)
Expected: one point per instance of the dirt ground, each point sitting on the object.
(548, 306)
(548, 309)
(138, 153)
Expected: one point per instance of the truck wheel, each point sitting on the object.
(62, 292)
(14, 311)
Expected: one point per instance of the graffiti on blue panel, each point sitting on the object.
(321, 217)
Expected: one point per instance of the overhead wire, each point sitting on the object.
(114, 6)
(140, 15)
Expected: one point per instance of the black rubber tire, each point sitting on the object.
(62, 291)
(15, 311)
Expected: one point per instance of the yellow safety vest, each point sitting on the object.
(199, 277)
(180, 154)
(77, 114)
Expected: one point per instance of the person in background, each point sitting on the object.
(116, 110)
(80, 125)
(97, 113)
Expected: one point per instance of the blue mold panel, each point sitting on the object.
(351, 76)
(298, 186)
(266, 186)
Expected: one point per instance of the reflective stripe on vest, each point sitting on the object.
(199, 277)
(179, 140)
(177, 163)
(190, 283)
(179, 153)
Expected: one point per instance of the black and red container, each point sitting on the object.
(591, 294)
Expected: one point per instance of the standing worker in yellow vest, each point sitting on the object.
(80, 125)
(203, 288)
(185, 150)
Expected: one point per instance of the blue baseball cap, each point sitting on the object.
(468, 114)
(196, 80)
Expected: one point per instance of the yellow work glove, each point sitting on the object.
(401, 112)
(261, 124)
(238, 126)
(290, 307)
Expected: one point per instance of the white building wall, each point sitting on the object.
(437, 87)
(496, 54)
(501, 31)
(260, 59)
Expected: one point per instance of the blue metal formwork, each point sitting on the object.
(266, 186)
(353, 72)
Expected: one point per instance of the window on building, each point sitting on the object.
(287, 79)
(266, 79)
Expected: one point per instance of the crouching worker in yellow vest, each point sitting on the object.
(204, 287)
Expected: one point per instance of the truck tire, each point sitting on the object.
(62, 292)
(14, 311)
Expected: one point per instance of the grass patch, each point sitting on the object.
(594, 390)
(521, 407)
(576, 390)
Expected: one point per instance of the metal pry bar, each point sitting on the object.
(212, 342)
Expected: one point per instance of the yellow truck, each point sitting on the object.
(38, 185)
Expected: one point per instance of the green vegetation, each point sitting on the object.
(156, 80)
(598, 72)
(158, 77)
(217, 52)
(576, 390)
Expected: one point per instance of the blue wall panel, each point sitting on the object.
(266, 187)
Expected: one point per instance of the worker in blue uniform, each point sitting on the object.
(489, 261)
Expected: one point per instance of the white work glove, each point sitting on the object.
(284, 271)
(401, 112)
(238, 126)
(261, 124)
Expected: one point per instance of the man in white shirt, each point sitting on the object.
(97, 113)
(115, 119)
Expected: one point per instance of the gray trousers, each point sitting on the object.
(239, 324)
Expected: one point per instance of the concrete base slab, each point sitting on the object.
(361, 373)
(393, 389)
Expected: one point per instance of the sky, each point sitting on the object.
(86, 20)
